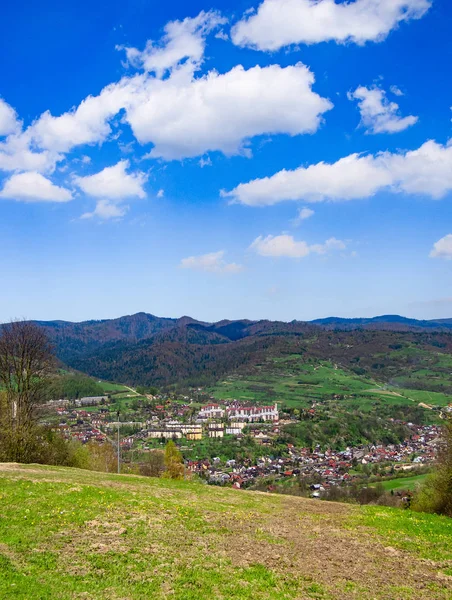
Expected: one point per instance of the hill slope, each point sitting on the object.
(66, 533)
(148, 350)
(75, 339)
(199, 355)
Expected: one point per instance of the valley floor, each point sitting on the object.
(66, 533)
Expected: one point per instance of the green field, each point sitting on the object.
(291, 381)
(403, 483)
(66, 533)
(425, 396)
(298, 384)
(123, 403)
(113, 387)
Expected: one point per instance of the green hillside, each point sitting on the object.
(67, 533)
(295, 383)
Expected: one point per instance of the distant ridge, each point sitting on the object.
(385, 322)
(149, 350)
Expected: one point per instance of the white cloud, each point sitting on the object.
(182, 115)
(160, 193)
(205, 162)
(396, 90)
(378, 114)
(443, 248)
(222, 35)
(182, 40)
(286, 246)
(303, 214)
(113, 183)
(330, 244)
(34, 187)
(105, 209)
(280, 23)
(86, 124)
(213, 263)
(427, 171)
(16, 154)
(9, 122)
(222, 112)
(349, 178)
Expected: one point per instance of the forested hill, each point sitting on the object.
(385, 323)
(149, 350)
(79, 339)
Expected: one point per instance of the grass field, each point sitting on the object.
(123, 403)
(403, 483)
(66, 533)
(294, 383)
(113, 387)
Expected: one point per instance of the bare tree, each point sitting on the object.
(26, 361)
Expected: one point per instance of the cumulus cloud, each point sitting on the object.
(34, 187)
(442, 248)
(182, 115)
(426, 171)
(113, 183)
(378, 114)
(112, 186)
(16, 154)
(286, 246)
(89, 122)
(9, 122)
(213, 262)
(279, 23)
(223, 111)
(182, 40)
(105, 210)
(303, 214)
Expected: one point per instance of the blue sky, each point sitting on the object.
(283, 159)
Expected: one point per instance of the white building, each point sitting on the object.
(211, 411)
(235, 428)
(253, 414)
(216, 430)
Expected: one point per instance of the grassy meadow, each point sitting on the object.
(66, 533)
(404, 483)
(297, 384)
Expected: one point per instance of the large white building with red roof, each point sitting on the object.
(211, 411)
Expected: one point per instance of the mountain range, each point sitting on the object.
(150, 350)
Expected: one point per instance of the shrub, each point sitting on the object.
(435, 496)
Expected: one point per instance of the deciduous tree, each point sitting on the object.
(26, 361)
(174, 465)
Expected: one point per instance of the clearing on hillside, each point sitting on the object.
(67, 533)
